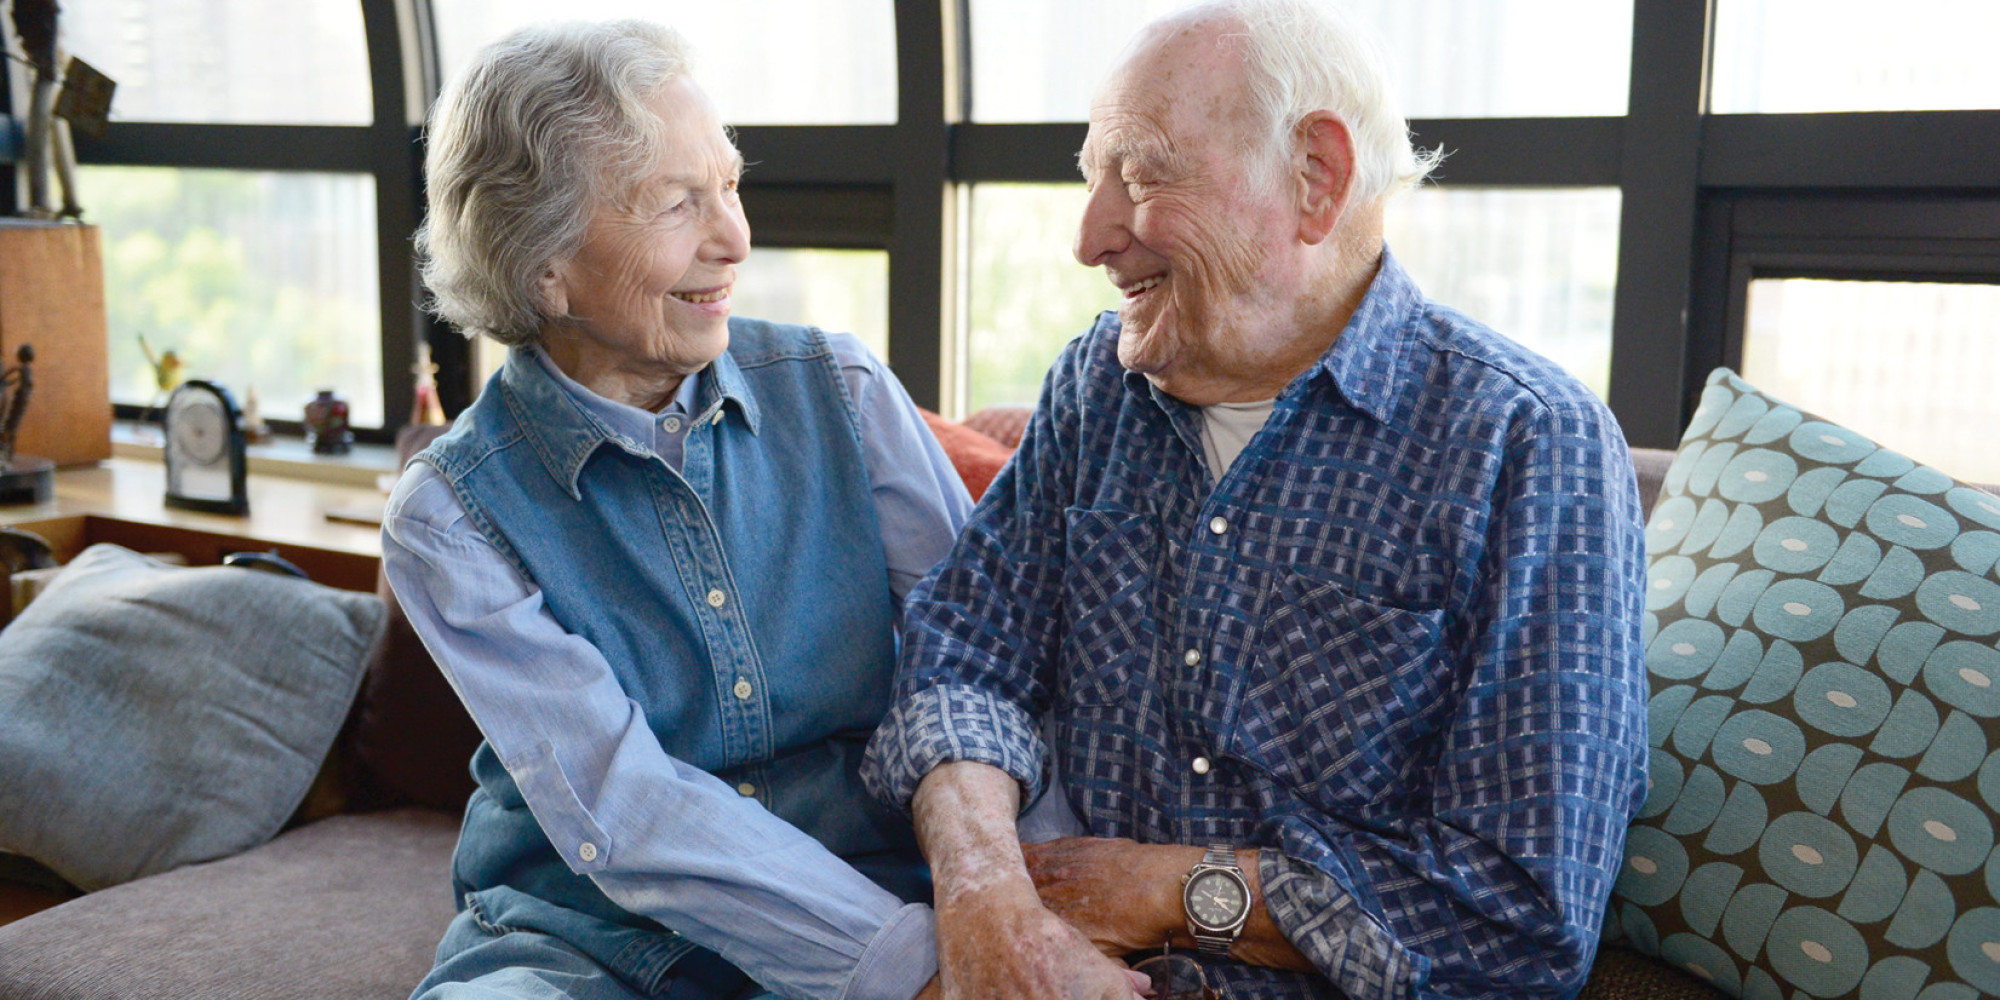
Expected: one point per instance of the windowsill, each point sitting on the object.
(372, 465)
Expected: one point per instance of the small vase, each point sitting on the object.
(326, 424)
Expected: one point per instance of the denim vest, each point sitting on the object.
(760, 561)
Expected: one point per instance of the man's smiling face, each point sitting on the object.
(1178, 219)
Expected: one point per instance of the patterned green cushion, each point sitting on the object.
(1825, 716)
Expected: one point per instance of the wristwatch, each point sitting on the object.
(1216, 897)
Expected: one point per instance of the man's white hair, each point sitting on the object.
(1303, 56)
(544, 126)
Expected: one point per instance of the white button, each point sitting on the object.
(717, 598)
(742, 689)
(717, 418)
(746, 789)
(587, 851)
(1192, 657)
(1201, 765)
(671, 425)
(1218, 525)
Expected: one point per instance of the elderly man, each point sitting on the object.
(1315, 605)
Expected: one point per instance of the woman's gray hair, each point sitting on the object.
(1304, 56)
(544, 126)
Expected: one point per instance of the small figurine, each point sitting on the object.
(255, 429)
(166, 374)
(17, 385)
(424, 406)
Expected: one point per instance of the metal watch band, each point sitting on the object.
(1220, 856)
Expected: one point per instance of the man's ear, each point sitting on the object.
(554, 288)
(1326, 174)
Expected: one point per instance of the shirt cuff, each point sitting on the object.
(1327, 924)
(949, 723)
(900, 959)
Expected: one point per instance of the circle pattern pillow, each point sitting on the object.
(1825, 716)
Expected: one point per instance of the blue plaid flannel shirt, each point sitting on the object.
(1404, 629)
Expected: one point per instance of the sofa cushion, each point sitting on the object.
(976, 457)
(349, 907)
(1826, 694)
(152, 716)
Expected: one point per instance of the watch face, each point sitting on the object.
(1215, 899)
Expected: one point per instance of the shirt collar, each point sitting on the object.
(565, 423)
(1367, 360)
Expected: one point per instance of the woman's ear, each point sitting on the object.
(1326, 177)
(554, 286)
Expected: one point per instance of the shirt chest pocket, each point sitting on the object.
(1111, 562)
(1341, 698)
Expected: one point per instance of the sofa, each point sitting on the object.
(350, 899)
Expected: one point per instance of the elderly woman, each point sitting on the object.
(660, 559)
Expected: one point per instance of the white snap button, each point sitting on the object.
(742, 689)
(746, 789)
(672, 425)
(717, 598)
(717, 418)
(1201, 765)
(1192, 657)
(1218, 525)
(587, 851)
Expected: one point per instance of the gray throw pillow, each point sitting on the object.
(153, 716)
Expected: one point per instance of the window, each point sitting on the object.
(1040, 60)
(770, 62)
(1855, 55)
(302, 62)
(1622, 172)
(263, 281)
(1910, 364)
(1539, 266)
(1026, 296)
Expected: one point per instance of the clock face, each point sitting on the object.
(1215, 900)
(204, 450)
(198, 427)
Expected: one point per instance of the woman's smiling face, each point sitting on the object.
(649, 291)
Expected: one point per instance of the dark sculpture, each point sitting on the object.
(17, 386)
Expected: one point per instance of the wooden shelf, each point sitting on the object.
(120, 501)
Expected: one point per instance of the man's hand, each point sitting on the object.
(995, 938)
(1123, 895)
(1126, 897)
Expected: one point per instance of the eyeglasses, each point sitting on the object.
(1177, 977)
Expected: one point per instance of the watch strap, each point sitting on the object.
(1220, 857)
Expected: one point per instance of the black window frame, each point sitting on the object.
(1691, 183)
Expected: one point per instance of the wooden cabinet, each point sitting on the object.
(52, 297)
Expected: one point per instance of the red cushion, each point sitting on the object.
(977, 458)
(1002, 423)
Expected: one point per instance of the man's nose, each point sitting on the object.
(1102, 230)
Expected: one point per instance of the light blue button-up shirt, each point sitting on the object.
(813, 922)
